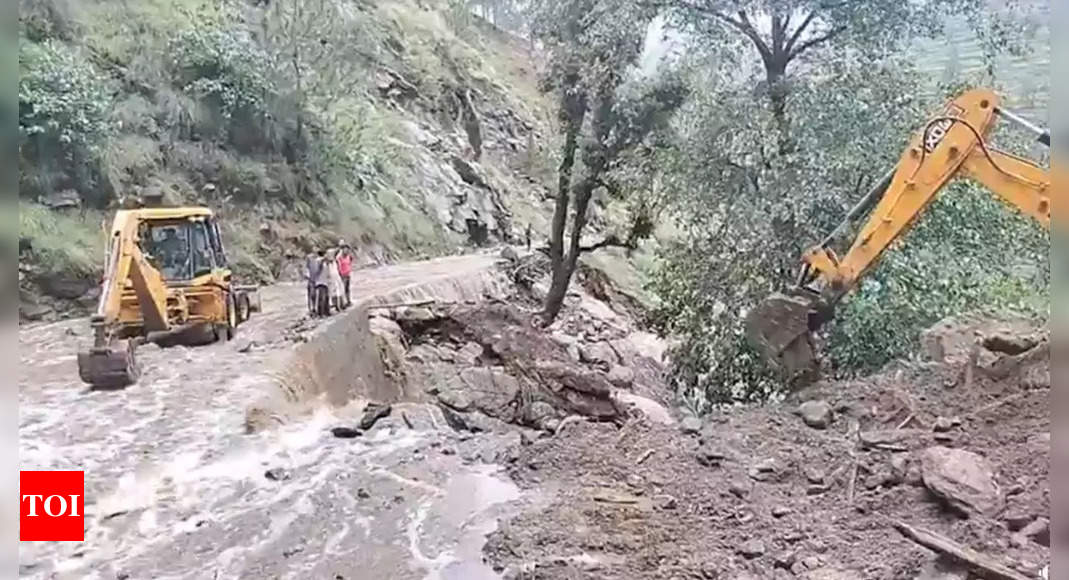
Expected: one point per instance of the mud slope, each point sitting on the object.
(176, 488)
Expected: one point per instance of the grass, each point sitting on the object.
(63, 241)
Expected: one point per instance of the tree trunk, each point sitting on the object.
(573, 111)
(562, 275)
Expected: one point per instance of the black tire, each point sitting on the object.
(244, 309)
(226, 331)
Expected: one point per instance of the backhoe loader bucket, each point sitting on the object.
(109, 368)
(778, 328)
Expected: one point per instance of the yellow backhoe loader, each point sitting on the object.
(166, 280)
(951, 145)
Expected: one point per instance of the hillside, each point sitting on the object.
(407, 128)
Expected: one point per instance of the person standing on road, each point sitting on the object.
(312, 265)
(322, 284)
(334, 279)
(345, 270)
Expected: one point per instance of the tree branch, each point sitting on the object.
(798, 32)
(817, 40)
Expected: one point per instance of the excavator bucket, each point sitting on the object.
(108, 368)
(778, 328)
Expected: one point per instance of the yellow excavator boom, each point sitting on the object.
(951, 145)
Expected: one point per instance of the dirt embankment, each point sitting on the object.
(811, 489)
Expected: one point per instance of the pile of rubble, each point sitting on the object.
(932, 470)
(491, 365)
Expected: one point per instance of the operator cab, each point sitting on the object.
(183, 249)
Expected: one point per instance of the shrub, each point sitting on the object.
(64, 118)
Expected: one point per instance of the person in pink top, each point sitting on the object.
(345, 269)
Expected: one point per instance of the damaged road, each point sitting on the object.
(176, 488)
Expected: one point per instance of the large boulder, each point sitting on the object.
(816, 414)
(965, 480)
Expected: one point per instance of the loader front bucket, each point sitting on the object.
(778, 328)
(109, 368)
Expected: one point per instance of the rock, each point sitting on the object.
(64, 285)
(637, 404)
(691, 425)
(573, 352)
(33, 312)
(277, 474)
(346, 432)
(943, 569)
(781, 511)
(710, 455)
(621, 376)
(814, 474)
(455, 420)
(784, 560)
(414, 314)
(894, 439)
(1038, 531)
(423, 353)
(943, 424)
(816, 414)
(665, 502)
(469, 353)
(468, 171)
(244, 345)
(372, 415)
(740, 488)
(963, 479)
(832, 574)
(1008, 342)
(766, 469)
(751, 549)
(600, 353)
(509, 253)
(1017, 519)
(362, 493)
(539, 412)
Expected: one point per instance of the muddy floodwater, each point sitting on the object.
(176, 489)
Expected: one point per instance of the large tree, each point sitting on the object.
(804, 106)
(604, 110)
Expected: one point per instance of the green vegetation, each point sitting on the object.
(297, 115)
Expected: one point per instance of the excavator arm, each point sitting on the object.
(952, 145)
(107, 364)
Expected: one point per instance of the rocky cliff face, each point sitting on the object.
(444, 144)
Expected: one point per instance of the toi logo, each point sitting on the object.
(51, 506)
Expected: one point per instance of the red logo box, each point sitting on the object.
(51, 506)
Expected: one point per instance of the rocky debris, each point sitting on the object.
(894, 439)
(752, 549)
(600, 353)
(621, 376)
(346, 432)
(816, 414)
(943, 424)
(373, 414)
(1037, 531)
(455, 420)
(1009, 342)
(943, 568)
(509, 253)
(690, 425)
(965, 480)
(278, 474)
(819, 497)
